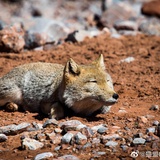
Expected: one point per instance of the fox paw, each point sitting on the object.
(11, 107)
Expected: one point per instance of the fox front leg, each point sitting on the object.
(57, 111)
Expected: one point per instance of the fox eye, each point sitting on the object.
(93, 81)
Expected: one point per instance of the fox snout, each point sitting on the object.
(115, 96)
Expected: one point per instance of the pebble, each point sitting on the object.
(50, 122)
(87, 131)
(67, 157)
(67, 138)
(155, 123)
(11, 38)
(139, 141)
(110, 137)
(111, 144)
(151, 129)
(41, 137)
(122, 111)
(44, 155)
(57, 148)
(142, 119)
(87, 145)
(13, 129)
(102, 130)
(96, 141)
(3, 137)
(50, 136)
(127, 60)
(31, 144)
(150, 27)
(125, 25)
(80, 138)
(37, 126)
(124, 147)
(154, 107)
(95, 128)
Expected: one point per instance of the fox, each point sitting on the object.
(56, 90)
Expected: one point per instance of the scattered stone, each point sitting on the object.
(3, 137)
(151, 137)
(50, 136)
(50, 123)
(70, 125)
(124, 147)
(95, 128)
(122, 111)
(96, 141)
(68, 157)
(155, 123)
(101, 153)
(67, 138)
(151, 129)
(31, 144)
(80, 138)
(127, 60)
(11, 39)
(142, 119)
(154, 107)
(150, 116)
(87, 131)
(102, 130)
(37, 126)
(125, 25)
(111, 144)
(13, 129)
(87, 145)
(56, 139)
(139, 141)
(151, 8)
(57, 130)
(41, 137)
(57, 148)
(150, 27)
(44, 155)
(110, 137)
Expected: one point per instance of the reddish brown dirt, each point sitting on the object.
(138, 85)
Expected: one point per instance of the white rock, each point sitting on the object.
(44, 155)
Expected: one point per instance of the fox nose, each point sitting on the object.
(115, 96)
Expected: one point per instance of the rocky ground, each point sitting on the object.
(131, 51)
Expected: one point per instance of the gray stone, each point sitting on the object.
(96, 141)
(70, 125)
(102, 130)
(127, 60)
(13, 129)
(87, 145)
(67, 138)
(155, 123)
(110, 137)
(139, 141)
(154, 107)
(124, 147)
(80, 138)
(151, 129)
(111, 144)
(87, 131)
(31, 144)
(44, 155)
(3, 137)
(101, 153)
(68, 157)
(50, 122)
(95, 128)
(37, 126)
(11, 38)
(57, 148)
(150, 27)
(125, 25)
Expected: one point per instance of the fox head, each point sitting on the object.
(87, 87)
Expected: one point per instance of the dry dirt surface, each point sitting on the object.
(137, 83)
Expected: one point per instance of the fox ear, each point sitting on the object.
(72, 67)
(100, 62)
